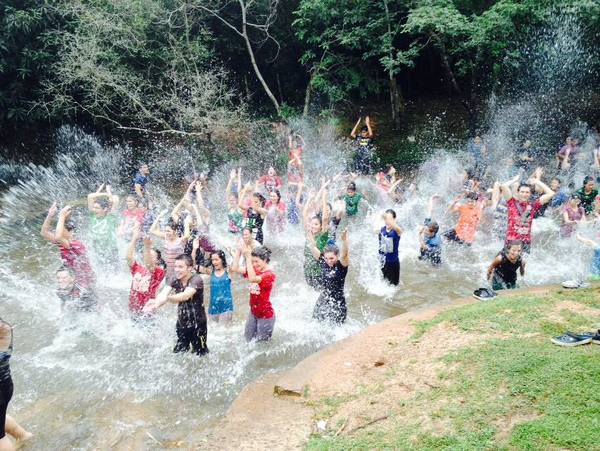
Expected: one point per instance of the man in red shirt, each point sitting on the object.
(146, 277)
(521, 209)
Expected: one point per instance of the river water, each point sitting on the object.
(90, 381)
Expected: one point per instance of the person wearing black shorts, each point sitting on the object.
(186, 290)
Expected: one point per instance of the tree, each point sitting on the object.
(256, 15)
(140, 66)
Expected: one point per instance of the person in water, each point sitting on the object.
(220, 307)
(132, 218)
(73, 297)
(173, 244)
(72, 251)
(270, 181)
(502, 273)
(8, 425)
(389, 241)
(521, 209)
(595, 266)
(261, 318)
(572, 214)
(429, 241)
(276, 211)
(331, 305)
(141, 180)
(318, 233)
(470, 214)
(235, 216)
(255, 214)
(352, 199)
(363, 159)
(103, 225)
(146, 277)
(587, 193)
(185, 290)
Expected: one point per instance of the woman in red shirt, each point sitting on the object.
(147, 277)
(261, 318)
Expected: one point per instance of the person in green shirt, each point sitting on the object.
(352, 199)
(314, 234)
(587, 194)
(103, 225)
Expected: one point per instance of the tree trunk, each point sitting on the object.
(396, 103)
(253, 59)
(307, 96)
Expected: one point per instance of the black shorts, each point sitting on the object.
(432, 256)
(196, 337)
(391, 272)
(451, 235)
(6, 392)
(330, 309)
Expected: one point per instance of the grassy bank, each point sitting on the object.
(493, 381)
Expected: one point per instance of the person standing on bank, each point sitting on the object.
(389, 241)
(7, 424)
(185, 290)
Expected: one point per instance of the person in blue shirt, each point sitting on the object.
(140, 180)
(389, 241)
(561, 196)
(429, 240)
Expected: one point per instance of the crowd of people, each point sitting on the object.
(172, 256)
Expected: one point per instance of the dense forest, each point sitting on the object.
(190, 67)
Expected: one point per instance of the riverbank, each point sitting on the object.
(473, 375)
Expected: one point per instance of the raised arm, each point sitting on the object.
(353, 133)
(46, 233)
(113, 198)
(235, 266)
(148, 261)
(506, 188)
(91, 198)
(155, 228)
(345, 257)
(131, 248)
(232, 177)
(368, 122)
(59, 233)
(548, 193)
(252, 277)
(245, 190)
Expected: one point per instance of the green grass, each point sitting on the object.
(552, 393)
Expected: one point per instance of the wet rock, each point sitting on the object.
(288, 391)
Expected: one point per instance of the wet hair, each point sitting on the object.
(331, 248)
(172, 224)
(557, 179)
(185, 258)
(512, 243)
(434, 227)
(135, 198)
(260, 198)
(262, 252)
(221, 255)
(318, 217)
(249, 229)
(276, 191)
(588, 179)
(575, 196)
(103, 203)
(159, 260)
(351, 186)
(524, 185)
(142, 164)
(364, 129)
(70, 226)
(473, 196)
(392, 212)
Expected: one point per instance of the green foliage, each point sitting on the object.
(515, 392)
